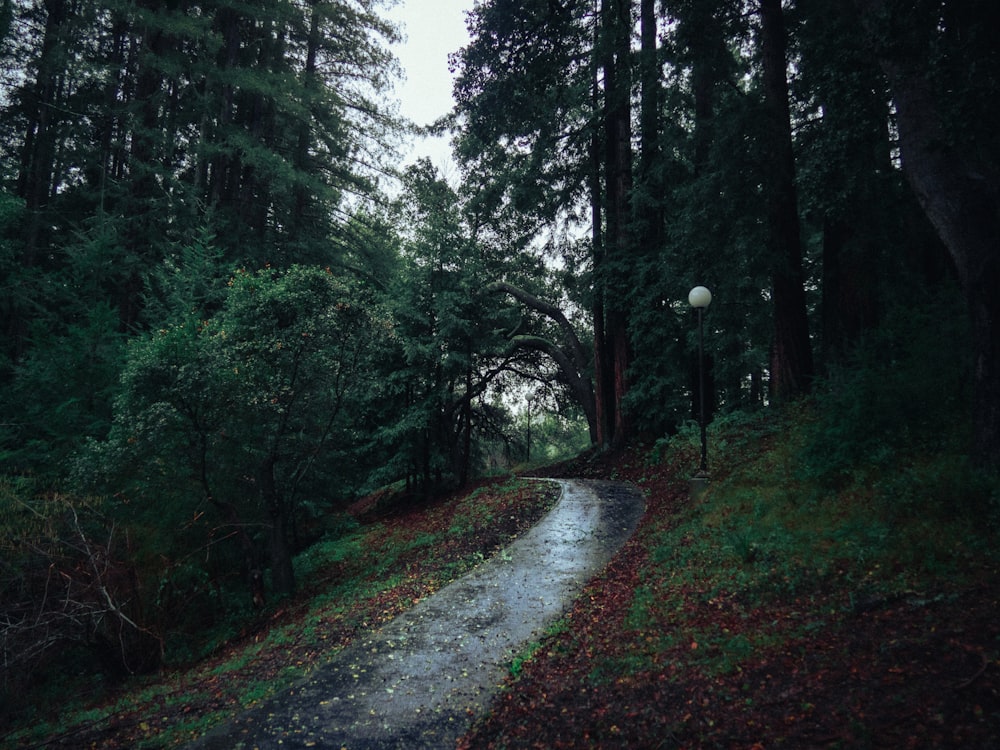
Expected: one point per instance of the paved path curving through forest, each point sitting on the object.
(419, 681)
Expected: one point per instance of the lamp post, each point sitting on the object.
(700, 298)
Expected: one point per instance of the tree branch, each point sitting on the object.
(579, 356)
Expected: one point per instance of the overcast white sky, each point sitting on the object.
(433, 29)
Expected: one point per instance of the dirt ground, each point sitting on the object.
(917, 671)
(418, 681)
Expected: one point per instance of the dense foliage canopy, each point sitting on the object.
(226, 314)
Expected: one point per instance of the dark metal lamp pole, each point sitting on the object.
(700, 298)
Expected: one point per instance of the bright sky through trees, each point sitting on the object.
(433, 29)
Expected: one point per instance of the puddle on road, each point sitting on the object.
(420, 680)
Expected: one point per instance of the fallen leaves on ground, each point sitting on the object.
(466, 528)
(917, 671)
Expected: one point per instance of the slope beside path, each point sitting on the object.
(421, 680)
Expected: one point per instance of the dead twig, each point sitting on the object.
(979, 673)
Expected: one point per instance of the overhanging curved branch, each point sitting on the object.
(579, 354)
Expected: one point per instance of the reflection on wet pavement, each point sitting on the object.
(419, 681)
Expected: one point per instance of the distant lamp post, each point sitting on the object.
(700, 298)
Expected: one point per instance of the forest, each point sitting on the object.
(227, 312)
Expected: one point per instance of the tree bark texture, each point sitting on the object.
(602, 415)
(618, 240)
(791, 356)
(963, 204)
(282, 573)
(38, 154)
(649, 188)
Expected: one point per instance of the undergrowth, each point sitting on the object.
(772, 532)
(357, 578)
(794, 537)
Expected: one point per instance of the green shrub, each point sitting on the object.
(901, 390)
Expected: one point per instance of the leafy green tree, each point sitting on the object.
(64, 355)
(298, 345)
(250, 413)
(140, 120)
(61, 393)
(565, 146)
(449, 348)
(290, 119)
(524, 109)
(135, 132)
(190, 282)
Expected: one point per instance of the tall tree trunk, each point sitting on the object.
(255, 202)
(231, 515)
(963, 205)
(223, 171)
(38, 154)
(37, 163)
(850, 301)
(141, 206)
(857, 192)
(649, 188)
(619, 239)
(301, 160)
(702, 83)
(108, 169)
(602, 407)
(282, 572)
(705, 46)
(791, 360)
(466, 457)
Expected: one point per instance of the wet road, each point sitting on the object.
(420, 681)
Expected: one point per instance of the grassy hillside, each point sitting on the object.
(788, 607)
(806, 600)
(354, 581)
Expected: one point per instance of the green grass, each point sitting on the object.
(358, 580)
(773, 542)
(770, 532)
(521, 658)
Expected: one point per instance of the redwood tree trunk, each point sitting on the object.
(649, 208)
(964, 207)
(960, 196)
(602, 413)
(616, 61)
(791, 360)
(38, 155)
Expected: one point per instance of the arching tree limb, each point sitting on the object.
(578, 355)
(571, 358)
